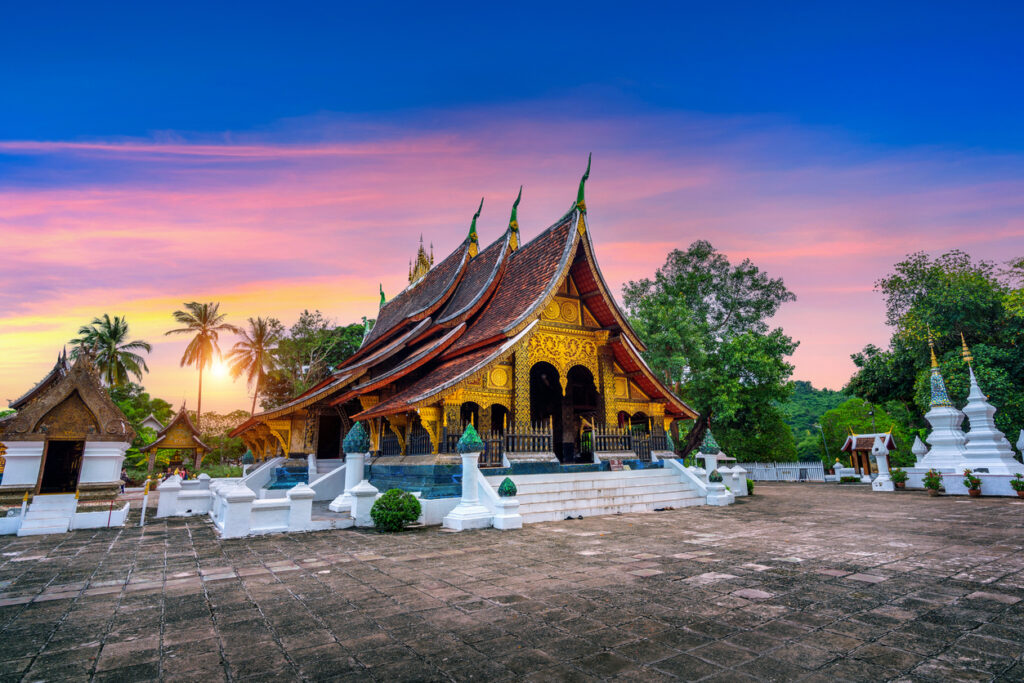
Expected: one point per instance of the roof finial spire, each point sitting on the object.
(966, 352)
(931, 347)
(940, 397)
(382, 299)
(474, 240)
(513, 221)
(580, 203)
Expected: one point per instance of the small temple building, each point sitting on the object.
(180, 436)
(859, 446)
(67, 436)
(520, 338)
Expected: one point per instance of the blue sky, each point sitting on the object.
(890, 73)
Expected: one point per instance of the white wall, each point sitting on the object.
(23, 460)
(101, 462)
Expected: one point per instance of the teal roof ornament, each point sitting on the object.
(247, 458)
(382, 299)
(580, 203)
(474, 239)
(940, 397)
(709, 446)
(670, 443)
(357, 440)
(470, 441)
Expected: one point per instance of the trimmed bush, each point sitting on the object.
(750, 487)
(849, 480)
(898, 476)
(395, 509)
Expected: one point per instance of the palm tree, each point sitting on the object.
(253, 356)
(104, 339)
(206, 322)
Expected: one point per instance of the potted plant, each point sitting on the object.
(1017, 483)
(972, 483)
(933, 482)
(899, 478)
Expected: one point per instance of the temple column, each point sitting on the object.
(521, 389)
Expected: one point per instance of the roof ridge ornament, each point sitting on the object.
(966, 352)
(940, 397)
(474, 240)
(513, 221)
(580, 203)
(383, 300)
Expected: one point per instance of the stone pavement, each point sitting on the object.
(813, 582)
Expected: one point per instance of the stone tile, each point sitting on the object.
(866, 578)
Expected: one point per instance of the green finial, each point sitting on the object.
(507, 489)
(470, 441)
(474, 241)
(579, 195)
(357, 440)
(710, 446)
(513, 222)
(382, 299)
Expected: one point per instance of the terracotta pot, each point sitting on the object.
(1020, 494)
(901, 484)
(933, 492)
(974, 493)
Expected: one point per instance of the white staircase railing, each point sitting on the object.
(330, 485)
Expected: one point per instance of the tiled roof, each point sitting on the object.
(480, 274)
(528, 276)
(420, 298)
(865, 442)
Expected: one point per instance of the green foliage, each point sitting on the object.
(898, 476)
(307, 354)
(507, 488)
(220, 471)
(705, 324)
(852, 414)
(105, 339)
(395, 509)
(950, 295)
(849, 480)
(750, 487)
(715, 477)
(4, 412)
(1017, 483)
(253, 354)
(971, 481)
(470, 441)
(137, 404)
(357, 440)
(933, 480)
(805, 407)
(223, 449)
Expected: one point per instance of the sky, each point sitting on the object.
(277, 157)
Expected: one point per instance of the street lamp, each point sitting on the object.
(823, 441)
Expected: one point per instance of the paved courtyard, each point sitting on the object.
(809, 582)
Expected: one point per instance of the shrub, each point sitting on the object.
(750, 487)
(715, 477)
(971, 481)
(932, 480)
(849, 480)
(219, 471)
(1017, 482)
(395, 509)
(898, 476)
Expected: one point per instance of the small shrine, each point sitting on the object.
(180, 436)
(67, 436)
(859, 447)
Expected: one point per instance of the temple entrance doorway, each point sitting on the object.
(546, 405)
(328, 440)
(580, 413)
(62, 463)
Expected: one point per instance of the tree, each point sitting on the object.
(705, 323)
(806, 406)
(205, 322)
(104, 339)
(253, 354)
(136, 404)
(947, 296)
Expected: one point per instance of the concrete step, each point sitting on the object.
(26, 530)
(533, 516)
(53, 502)
(526, 498)
(325, 466)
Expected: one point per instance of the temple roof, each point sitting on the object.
(184, 420)
(865, 442)
(468, 311)
(59, 370)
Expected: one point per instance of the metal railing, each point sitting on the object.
(784, 471)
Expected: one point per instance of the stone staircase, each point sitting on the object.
(551, 497)
(48, 514)
(325, 466)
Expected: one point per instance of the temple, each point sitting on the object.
(180, 436)
(523, 340)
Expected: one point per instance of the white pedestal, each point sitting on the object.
(363, 496)
(718, 495)
(469, 513)
(353, 475)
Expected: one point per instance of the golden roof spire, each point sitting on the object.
(966, 352)
(423, 263)
(931, 347)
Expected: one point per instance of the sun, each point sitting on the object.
(219, 368)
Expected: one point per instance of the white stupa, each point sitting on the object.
(919, 449)
(947, 440)
(987, 447)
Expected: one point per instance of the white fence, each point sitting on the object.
(785, 471)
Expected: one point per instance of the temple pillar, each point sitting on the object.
(521, 389)
(607, 388)
(430, 418)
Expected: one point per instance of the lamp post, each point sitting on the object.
(823, 441)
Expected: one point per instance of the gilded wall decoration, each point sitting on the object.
(563, 351)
